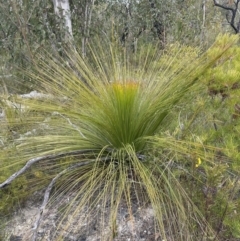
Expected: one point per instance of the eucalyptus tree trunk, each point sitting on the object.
(62, 10)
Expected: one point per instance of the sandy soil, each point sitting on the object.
(139, 227)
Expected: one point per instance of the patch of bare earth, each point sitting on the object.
(86, 226)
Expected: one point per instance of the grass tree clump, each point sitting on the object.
(103, 138)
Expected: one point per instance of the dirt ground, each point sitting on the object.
(140, 227)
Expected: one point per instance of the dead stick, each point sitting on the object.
(38, 159)
(47, 194)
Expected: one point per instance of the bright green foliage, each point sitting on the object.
(215, 121)
(120, 108)
(224, 90)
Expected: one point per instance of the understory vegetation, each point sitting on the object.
(158, 128)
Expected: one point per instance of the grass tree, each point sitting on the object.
(100, 134)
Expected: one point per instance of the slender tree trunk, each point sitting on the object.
(87, 23)
(62, 9)
(203, 21)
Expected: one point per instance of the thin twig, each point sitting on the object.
(68, 120)
(38, 159)
(47, 194)
(222, 6)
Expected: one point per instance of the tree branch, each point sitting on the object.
(222, 6)
(233, 11)
(38, 159)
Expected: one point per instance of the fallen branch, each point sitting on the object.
(38, 159)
